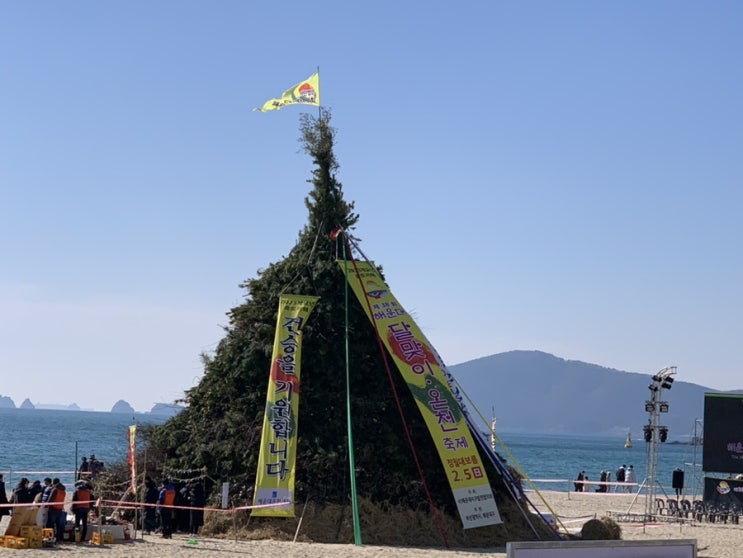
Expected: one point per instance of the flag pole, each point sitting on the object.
(351, 462)
(319, 107)
(144, 484)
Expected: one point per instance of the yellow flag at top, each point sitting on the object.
(306, 92)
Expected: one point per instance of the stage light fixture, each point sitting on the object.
(667, 383)
(647, 432)
(653, 387)
(649, 406)
(663, 433)
(663, 407)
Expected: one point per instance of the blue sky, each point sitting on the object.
(561, 176)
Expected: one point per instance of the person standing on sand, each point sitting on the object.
(20, 492)
(46, 491)
(151, 496)
(579, 482)
(35, 490)
(631, 477)
(621, 472)
(83, 472)
(166, 498)
(81, 503)
(3, 498)
(94, 466)
(57, 516)
(196, 499)
(602, 480)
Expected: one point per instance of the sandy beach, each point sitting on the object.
(714, 540)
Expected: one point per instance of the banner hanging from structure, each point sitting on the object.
(277, 459)
(133, 457)
(420, 368)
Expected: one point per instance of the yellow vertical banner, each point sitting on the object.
(133, 457)
(421, 370)
(274, 483)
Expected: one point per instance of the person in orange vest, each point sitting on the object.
(57, 516)
(166, 498)
(81, 503)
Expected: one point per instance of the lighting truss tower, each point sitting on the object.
(697, 481)
(655, 433)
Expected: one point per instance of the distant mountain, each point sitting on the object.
(122, 406)
(165, 409)
(532, 391)
(6, 402)
(27, 404)
(58, 406)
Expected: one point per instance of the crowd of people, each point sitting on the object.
(54, 494)
(171, 507)
(625, 481)
(89, 469)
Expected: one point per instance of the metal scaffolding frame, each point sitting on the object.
(655, 433)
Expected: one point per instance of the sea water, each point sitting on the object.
(36, 443)
(39, 443)
(554, 461)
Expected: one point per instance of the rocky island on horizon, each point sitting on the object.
(121, 406)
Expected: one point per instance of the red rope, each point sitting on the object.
(383, 352)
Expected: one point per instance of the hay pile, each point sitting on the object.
(381, 524)
(604, 529)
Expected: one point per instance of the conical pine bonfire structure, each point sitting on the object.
(220, 430)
